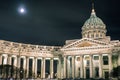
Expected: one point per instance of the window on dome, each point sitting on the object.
(96, 35)
(92, 35)
(87, 36)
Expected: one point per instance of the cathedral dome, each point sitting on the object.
(94, 27)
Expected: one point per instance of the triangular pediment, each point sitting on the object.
(85, 42)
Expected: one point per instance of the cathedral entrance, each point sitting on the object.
(87, 73)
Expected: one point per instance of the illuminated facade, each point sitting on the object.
(92, 56)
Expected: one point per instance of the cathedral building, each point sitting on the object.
(93, 56)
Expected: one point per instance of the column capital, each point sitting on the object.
(109, 53)
(9, 55)
(91, 55)
(73, 56)
(35, 57)
(27, 57)
(43, 58)
(65, 56)
(51, 58)
(82, 55)
(100, 54)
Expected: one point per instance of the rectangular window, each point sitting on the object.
(105, 60)
(96, 57)
(97, 72)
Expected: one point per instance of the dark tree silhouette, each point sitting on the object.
(10, 70)
(116, 72)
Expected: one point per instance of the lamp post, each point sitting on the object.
(21, 74)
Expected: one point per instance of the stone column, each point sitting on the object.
(110, 63)
(17, 64)
(35, 67)
(91, 66)
(51, 68)
(100, 65)
(27, 64)
(24, 66)
(9, 59)
(82, 66)
(73, 67)
(15, 61)
(84, 69)
(59, 68)
(65, 67)
(5, 59)
(68, 67)
(43, 68)
(9, 63)
(0, 59)
(6, 62)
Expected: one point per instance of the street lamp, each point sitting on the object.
(21, 72)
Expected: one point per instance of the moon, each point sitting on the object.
(22, 10)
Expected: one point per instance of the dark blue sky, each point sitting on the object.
(51, 22)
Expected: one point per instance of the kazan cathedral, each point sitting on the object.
(95, 55)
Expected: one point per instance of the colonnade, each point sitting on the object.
(69, 68)
(17, 63)
(83, 67)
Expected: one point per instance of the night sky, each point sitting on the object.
(51, 22)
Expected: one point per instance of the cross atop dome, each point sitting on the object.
(93, 10)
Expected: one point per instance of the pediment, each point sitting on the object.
(85, 42)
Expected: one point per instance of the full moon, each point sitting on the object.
(22, 10)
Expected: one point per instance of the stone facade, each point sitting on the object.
(93, 56)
